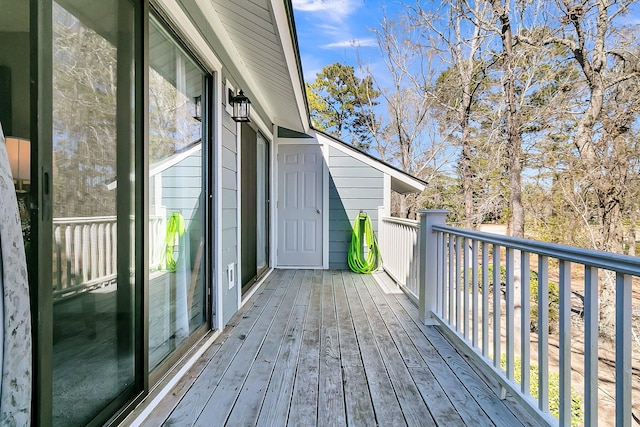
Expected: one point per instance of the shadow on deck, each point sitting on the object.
(332, 348)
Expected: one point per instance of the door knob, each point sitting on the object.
(317, 211)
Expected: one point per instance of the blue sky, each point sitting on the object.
(339, 31)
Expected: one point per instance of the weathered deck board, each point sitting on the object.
(385, 402)
(359, 406)
(304, 402)
(414, 408)
(275, 407)
(257, 353)
(331, 392)
(197, 397)
(332, 348)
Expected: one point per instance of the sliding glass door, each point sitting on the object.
(254, 196)
(262, 205)
(177, 202)
(121, 203)
(93, 209)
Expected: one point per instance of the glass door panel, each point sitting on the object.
(262, 203)
(176, 197)
(93, 207)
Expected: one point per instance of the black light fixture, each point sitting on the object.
(197, 108)
(241, 107)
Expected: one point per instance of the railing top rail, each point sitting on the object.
(605, 260)
(402, 221)
(85, 220)
(93, 219)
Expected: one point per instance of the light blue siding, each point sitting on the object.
(181, 187)
(353, 186)
(229, 220)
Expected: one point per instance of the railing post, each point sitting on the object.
(429, 260)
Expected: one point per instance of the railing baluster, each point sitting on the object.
(485, 299)
(101, 251)
(85, 253)
(458, 248)
(416, 261)
(465, 287)
(451, 278)
(509, 309)
(543, 333)
(58, 245)
(623, 350)
(565, 342)
(107, 244)
(68, 254)
(75, 254)
(525, 325)
(590, 345)
(474, 293)
(440, 274)
(496, 306)
(94, 251)
(114, 251)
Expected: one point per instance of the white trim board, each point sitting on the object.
(195, 39)
(290, 55)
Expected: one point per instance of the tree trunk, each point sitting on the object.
(514, 145)
(467, 176)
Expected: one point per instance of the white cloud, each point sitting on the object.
(352, 43)
(335, 9)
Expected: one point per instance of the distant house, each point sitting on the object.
(205, 202)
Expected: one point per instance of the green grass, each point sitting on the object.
(554, 390)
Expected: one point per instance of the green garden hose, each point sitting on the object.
(175, 230)
(372, 260)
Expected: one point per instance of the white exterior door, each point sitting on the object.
(299, 206)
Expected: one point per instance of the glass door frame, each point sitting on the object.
(208, 185)
(40, 256)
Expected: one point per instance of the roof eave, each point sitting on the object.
(401, 182)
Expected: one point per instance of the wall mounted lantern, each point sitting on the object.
(19, 151)
(241, 107)
(197, 108)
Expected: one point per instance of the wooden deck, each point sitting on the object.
(332, 348)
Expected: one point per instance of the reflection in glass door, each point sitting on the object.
(93, 200)
(262, 205)
(254, 195)
(177, 297)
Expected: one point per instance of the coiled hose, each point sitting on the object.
(175, 230)
(358, 262)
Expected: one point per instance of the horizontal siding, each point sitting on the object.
(353, 186)
(229, 235)
(365, 171)
(228, 158)
(181, 192)
(229, 199)
(357, 182)
(182, 187)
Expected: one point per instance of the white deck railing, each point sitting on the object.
(85, 252)
(400, 250)
(457, 266)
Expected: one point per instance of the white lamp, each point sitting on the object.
(19, 151)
